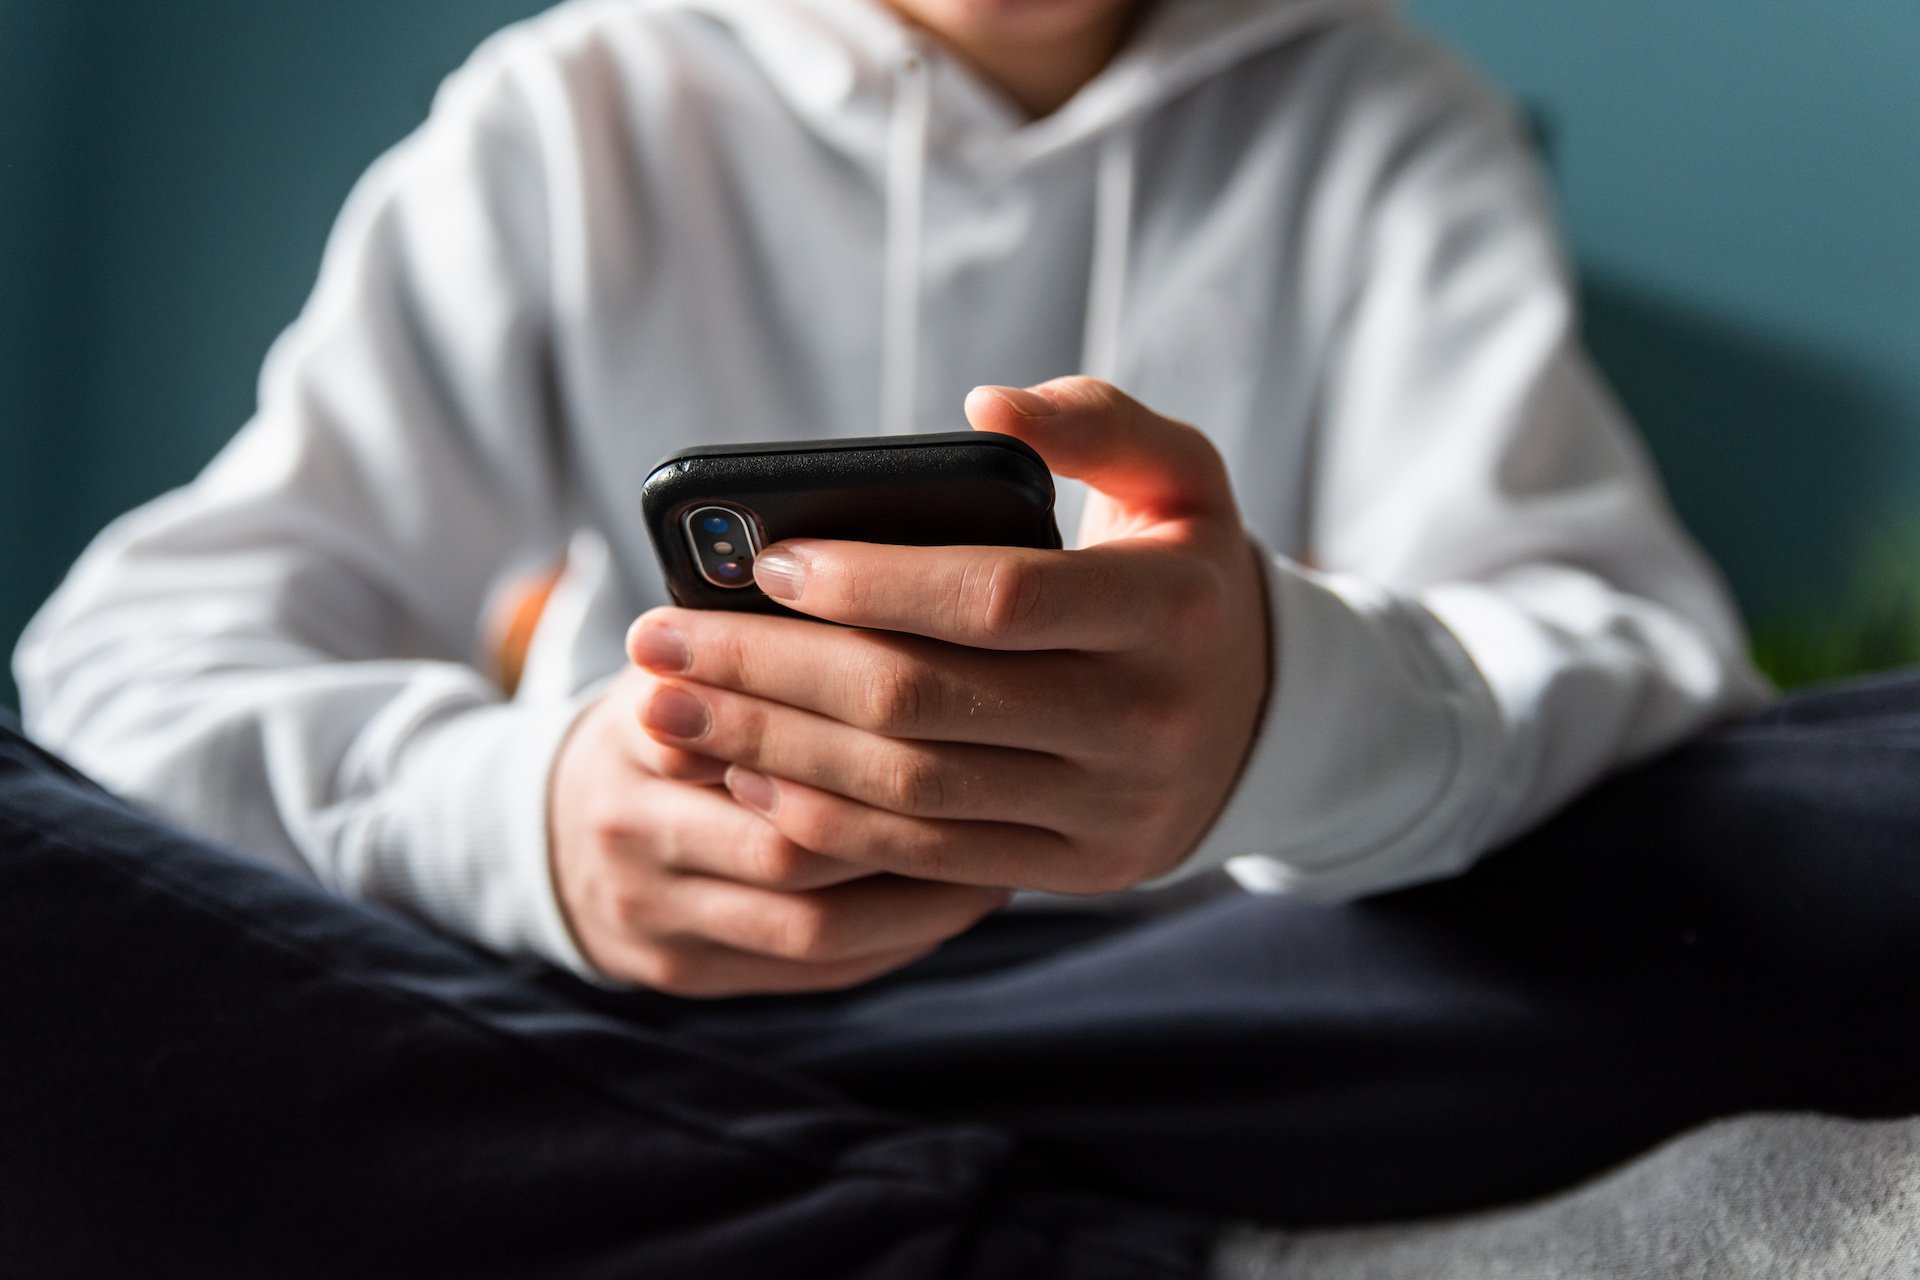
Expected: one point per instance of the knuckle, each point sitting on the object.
(910, 781)
(740, 729)
(631, 911)
(818, 828)
(897, 697)
(803, 929)
(937, 852)
(1005, 600)
(831, 579)
(607, 826)
(667, 969)
(770, 859)
(727, 654)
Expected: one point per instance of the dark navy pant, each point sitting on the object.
(211, 1069)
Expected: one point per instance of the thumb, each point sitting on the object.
(1090, 430)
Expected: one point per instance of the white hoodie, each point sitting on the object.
(634, 225)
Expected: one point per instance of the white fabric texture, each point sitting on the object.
(1786, 1197)
(634, 225)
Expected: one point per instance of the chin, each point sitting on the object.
(1013, 19)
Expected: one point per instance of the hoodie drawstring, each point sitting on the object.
(1115, 181)
(905, 217)
(1112, 249)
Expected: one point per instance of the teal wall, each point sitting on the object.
(168, 173)
(1741, 183)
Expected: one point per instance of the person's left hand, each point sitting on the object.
(1070, 721)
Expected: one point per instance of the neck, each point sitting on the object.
(1040, 70)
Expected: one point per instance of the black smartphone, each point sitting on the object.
(711, 509)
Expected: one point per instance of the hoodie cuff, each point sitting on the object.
(464, 840)
(1375, 717)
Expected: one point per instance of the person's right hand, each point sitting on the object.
(667, 882)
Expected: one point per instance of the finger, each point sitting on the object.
(1110, 598)
(629, 697)
(708, 971)
(1090, 430)
(896, 685)
(884, 915)
(708, 834)
(922, 779)
(998, 854)
(679, 765)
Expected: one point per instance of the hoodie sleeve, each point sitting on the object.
(227, 653)
(1503, 608)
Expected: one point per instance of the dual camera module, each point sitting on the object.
(724, 543)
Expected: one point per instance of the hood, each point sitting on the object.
(883, 93)
(838, 64)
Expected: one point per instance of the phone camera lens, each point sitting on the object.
(723, 542)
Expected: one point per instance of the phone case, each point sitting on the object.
(962, 488)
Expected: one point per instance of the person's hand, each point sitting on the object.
(667, 882)
(1070, 721)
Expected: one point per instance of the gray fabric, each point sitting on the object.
(1753, 1198)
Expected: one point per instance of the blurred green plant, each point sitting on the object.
(1873, 624)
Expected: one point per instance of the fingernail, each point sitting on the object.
(754, 790)
(660, 649)
(677, 714)
(1028, 404)
(780, 574)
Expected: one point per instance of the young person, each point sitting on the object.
(1434, 593)
(1403, 588)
